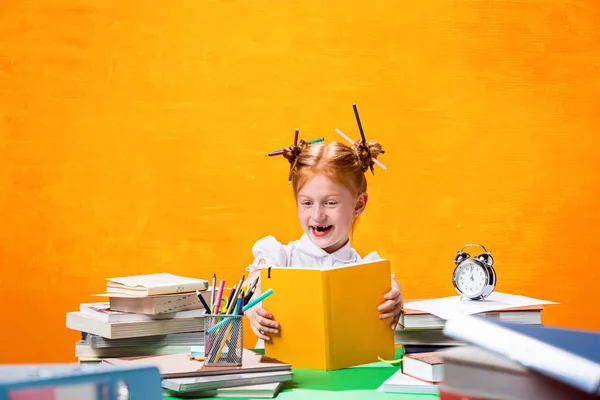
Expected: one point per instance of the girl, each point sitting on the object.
(330, 189)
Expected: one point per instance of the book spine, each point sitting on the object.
(527, 351)
(327, 329)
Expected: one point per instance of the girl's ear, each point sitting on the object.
(361, 203)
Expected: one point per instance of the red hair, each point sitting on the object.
(340, 163)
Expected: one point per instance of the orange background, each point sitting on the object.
(133, 134)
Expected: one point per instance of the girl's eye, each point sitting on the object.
(331, 203)
(306, 203)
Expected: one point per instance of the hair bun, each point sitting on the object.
(291, 154)
(366, 153)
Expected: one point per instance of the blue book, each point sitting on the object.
(568, 355)
(81, 382)
(425, 348)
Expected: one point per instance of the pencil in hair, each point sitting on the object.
(362, 134)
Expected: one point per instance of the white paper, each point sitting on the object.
(154, 280)
(197, 349)
(447, 307)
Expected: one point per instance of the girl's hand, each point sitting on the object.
(392, 307)
(262, 322)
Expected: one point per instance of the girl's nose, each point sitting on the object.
(318, 214)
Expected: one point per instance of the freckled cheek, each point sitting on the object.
(303, 216)
(343, 219)
(339, 218)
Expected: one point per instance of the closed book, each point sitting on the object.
(417, 319)
(102, 312)
(423, 337)
(412, 349)
(568, 355)
(158, 304)
(153, 284)
(260, 391)
(193, 386)
(477, 373)
(399, 382)
(117, 330)
(172, 339)
(181, 366)
(425, 366)
(83, 349)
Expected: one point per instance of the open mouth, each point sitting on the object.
(320, 230)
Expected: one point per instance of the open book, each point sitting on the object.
(154, 284)
(333, 310)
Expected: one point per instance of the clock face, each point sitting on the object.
(471, 279)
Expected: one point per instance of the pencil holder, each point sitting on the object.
(223, 340)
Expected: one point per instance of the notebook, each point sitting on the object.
(180, 365)
(334, 310)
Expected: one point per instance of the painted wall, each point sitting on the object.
(132, 140)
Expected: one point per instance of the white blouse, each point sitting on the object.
(303, 253)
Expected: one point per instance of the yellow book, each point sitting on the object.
(328, 317)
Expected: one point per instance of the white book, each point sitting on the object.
(117, 330)
(568, 355)
(83, 349)
(201, 383)
(448, 307)
(172, 339)
(102, 312)
(262, 391)
(401, 383)
(154, 284)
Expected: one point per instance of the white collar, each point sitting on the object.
(306, 246)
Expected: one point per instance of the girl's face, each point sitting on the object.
(326, 210)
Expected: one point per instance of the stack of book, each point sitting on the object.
(145, 315)
(184, 375)
(421, 335)
(419, 331)
(512, 361)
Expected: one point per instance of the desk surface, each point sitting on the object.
(358, 383)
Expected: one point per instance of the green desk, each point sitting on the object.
(358, 383)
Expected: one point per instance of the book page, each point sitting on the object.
(154, 280)
(447, 307)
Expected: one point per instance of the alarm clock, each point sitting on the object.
(474, 277)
